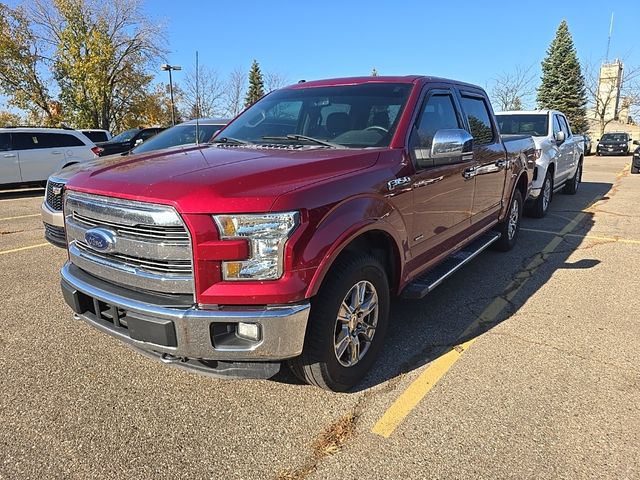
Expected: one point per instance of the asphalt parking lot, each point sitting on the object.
(522, 365)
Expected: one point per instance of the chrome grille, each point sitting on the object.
(152, 248)
(54, 200)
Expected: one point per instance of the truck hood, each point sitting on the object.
(209, 179)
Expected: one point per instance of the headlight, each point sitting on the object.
(266, 233)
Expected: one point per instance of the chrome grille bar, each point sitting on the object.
(152, 248)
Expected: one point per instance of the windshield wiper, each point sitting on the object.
(230, 140)
(295, 136)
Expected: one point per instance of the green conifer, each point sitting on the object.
(562, 86)
(256, 85)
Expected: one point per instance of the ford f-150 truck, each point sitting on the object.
(559, 154)
(284, 239)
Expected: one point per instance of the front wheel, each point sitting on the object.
(347, 324)
(510, 226)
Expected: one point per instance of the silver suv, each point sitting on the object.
(31, 154)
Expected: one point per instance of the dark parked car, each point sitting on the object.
(183, 134)
(127, 140)
(613, 144)
(635, 162)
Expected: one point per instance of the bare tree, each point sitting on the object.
(274, 81)
(210, 93)
(512, 90)
(603, 100)
(235, 92)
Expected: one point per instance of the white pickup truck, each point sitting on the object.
(559, 154)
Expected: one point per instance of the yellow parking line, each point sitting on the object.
(20, 216)
(13, 250)
(417, 390)
(587, 236)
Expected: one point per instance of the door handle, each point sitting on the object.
(9, 155)
(502, 164)
(57, 152)
(469, 173)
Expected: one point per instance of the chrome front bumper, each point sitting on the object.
(51, 217)
(179, 333)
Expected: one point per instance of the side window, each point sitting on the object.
(438, 113)
(479, 120)
(564, 126)
(556, 125)
(63, 140)
(5, 142)
(28, 141)
(145, 134)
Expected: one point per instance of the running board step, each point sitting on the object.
(434, 277)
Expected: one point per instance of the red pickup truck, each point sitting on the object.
(284, 239)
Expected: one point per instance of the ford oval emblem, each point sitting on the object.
(100, 239)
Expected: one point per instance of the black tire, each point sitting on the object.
(571, 187)
(319, 364)
(635, 169)
(540, 207)
(509, 236)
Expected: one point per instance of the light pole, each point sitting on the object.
(167, 67)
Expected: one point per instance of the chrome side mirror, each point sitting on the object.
(560, 137)
(138, 142)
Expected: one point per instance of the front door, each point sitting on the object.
(490, 157)
(442, 193)
(9, 161)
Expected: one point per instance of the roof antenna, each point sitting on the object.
(609, 40)
(197, 103)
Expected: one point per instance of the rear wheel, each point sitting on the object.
(541, 204)
(347, 324)
(510, 226)
(571, 187)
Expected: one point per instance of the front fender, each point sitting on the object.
(347, 221)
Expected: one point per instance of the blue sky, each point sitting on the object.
(471, 41)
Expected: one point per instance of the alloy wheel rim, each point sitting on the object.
(356, 324)
(546, 194)
(513, 220)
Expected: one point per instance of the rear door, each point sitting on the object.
(565, 151)
(442, 195)
(9, 161)
(571, 149)
(38, 157)
(489, 154)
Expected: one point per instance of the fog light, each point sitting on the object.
(250, 331)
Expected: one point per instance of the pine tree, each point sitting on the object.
(563, 86)
(256, 85)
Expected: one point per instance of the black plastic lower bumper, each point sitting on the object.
(55, 235)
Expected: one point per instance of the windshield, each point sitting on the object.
(351, 116)
(614, 137)
(178, 135)
(536, 125)
(125, 136)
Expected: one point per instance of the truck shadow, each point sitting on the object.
(420, 331)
